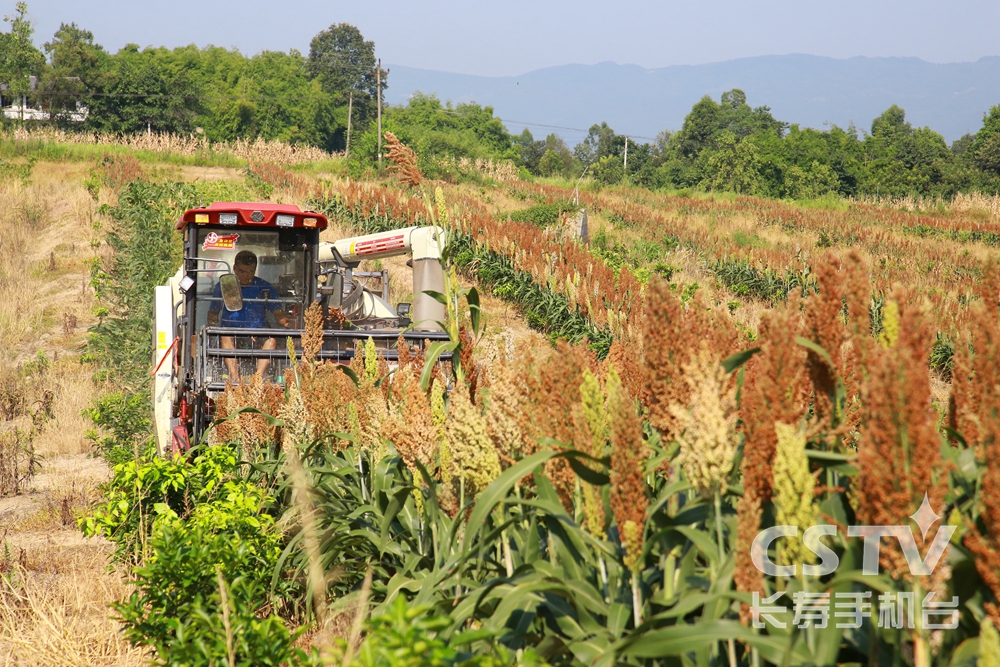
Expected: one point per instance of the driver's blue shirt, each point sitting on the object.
(253, 314)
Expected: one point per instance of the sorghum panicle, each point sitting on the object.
(899, 453)
(629, 491)
(794, 487)
(707, 424)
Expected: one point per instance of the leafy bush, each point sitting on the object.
(204, 635)
(125, 424)
(542, 215)
(140, 491)
(203, 554)
(17, 171)
(409, 636)
(182, 604)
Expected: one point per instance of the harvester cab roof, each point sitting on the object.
(250, 272)
(253, 215)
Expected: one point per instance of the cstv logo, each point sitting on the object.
(872, 535)
(895, 610)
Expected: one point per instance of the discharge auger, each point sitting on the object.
(250, 272)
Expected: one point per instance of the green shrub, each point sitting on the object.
(203, 554)
(542, 215)
(182, 603)
(125, 426)
(408, 636)
(200, 638)
(140, 491)
(17, 171)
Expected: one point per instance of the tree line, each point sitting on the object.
(730, 146)
(725, 146)
(224, 95)
(218, 92)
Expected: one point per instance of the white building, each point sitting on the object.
(17, 112)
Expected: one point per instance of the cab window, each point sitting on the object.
(281, 261)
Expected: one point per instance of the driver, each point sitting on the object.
(256, 292)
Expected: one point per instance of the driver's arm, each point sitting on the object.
(281, 317)
(214, 306)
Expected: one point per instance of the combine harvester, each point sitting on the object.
(250, 272)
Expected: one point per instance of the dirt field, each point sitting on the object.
(55, 586)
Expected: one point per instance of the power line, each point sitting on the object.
(555, 127)
(577, 129)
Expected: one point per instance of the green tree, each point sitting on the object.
(739, 118)
(816, 181)
(707, 120)
(683, 158)
(19, 59)
(344, 63)
(601, 141)
(557, 160)
(436, 130)
(734, 166)
(531, 151)
(139, 92)
(987, 155)
(985, 146)
(904, 160)
(551, 164)
(960, 147)
(281, 102)
(700, 125)
(608, 170)
(76, 65)
(790, 164)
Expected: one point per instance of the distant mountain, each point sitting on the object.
(809, 90)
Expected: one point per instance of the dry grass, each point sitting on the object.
(46, 227)
(257, 150)
(22, 218)
(977, 202)
(74, 391)
(501, 171)
(987, 206)
(65, 489)
(54, 600)
(55, 586)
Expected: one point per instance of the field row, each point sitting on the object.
(763, 248)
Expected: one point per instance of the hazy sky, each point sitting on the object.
(506, 38)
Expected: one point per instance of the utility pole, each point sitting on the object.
(576, 188)
(625, 165)
(378, 92)
(350, 107)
